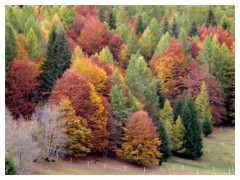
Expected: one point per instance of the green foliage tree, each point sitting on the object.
(122, 32)
(211, 20)
(67, 15)
(155, 28)
(139, 25)
(132, 43)
(13, 19)
(225, 22)
(31, 22)
(202, 105)
(32, 46)
(193, 30)
(142, 85)
(207, 127)
(174, 31)
(111, 20)
(106, 55)
(10, 168)
(162, 43)
(165, 26)
(147, 43)
(178, 138)
(185, 107)
(57, 60)
(77, 53)
(183, 40)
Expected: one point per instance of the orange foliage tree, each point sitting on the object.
(171, 69)
(91, 38)
(86, 102)
(22, 85)
(140, 141)
(96, 75)
(21, 51)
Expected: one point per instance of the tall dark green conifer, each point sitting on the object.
(10, 168)
(139, 25)
(185, 107)
(111, 20)
(165, 25)
(57, 60)
(211, 20)
(193, 30)
(175, 28)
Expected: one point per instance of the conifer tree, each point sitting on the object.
(174, 28)
(147, 43)
(79, 135)
(178, 138)
(67, 15)
(165, 25)
(207, 127)
(132, 44)
(139, 25)
(122, 32)
(202, 105)
(183, 40)
(166, 115)
(10, 168)
(77, 53)
(162, 43)
(211, 20)
(193, 30)
(154, 26)
(31, 44)
(225, 22)
(111, 20)
(185, 107)
(57, 60)
(106, 55)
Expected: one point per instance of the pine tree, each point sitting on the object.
(207, 127)
(139, 25)
(57, 60)
(77, 54)
(166, 115)
(79, 136)
(165, 25)
(155, 28)
(147, 44)
(67, 15)
(185, 107)
(164, 147)
(31, 44)
(202, 105)
(10, 168)
(132, 44)
(106, 55)
(174, 31)
(111, 20)
(193, 30)
(225, 22)
(183, 40)
(122, 32)
(211, 20)
(162, 43)
(178, 138)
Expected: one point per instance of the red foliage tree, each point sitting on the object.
(91, 39)
(140, 141)
(22, 85)
(86, 103)
(71, 45)
(194, 50)
(86, 10)
(193, 82)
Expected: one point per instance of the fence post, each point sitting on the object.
(88, 163)
(105, 165)
(197, 171)
(213, 168)
(160, 168)
(71, 160)
(173, 167)
(124, 168)
(183, 167)
(144, 170)
(229, 171)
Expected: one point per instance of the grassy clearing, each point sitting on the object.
(218, 158)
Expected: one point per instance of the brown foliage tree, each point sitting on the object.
(140, 141)
(22, 85)
(91, 39)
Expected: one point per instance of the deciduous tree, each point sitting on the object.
(178, 138)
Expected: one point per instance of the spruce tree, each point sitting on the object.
(160, 94)
(165, 25)
(193, 30)
(106, 55)
(10, 168)
(57, 60)
(207, 127)
(139, 25)
(111, 20)
(202, 105)
(185, 107)
(225, 22)
(155, 28)
(32, 46)
(178, 138)
(162, 43)
(164, 148)
(132, 44)
(211, 20)
(174, 28)
(183, 40)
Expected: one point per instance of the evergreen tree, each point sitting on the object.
(202, 105)
(174, 28)
(178, 138)
(77, 53)
(164, 147)
(207, 127)
(162, 43)
(193, 30)
(122, 32)
(101, 13)
(132, 44)
(166, 115)
(67, 15)
(106, 55)
(57, 60)
(225, 22)
(142, 85)
(139, 25)
(31, 45)
(13, 19)
(10, 168)
(154, 26)
(147, 44)
(185, 107)
(160, 94)
(10, 45)
(211, 20)
(111, 20)
(183, 40)
(165, 25)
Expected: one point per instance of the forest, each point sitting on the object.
(140, 83)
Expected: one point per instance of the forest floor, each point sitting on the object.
(218, 158)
